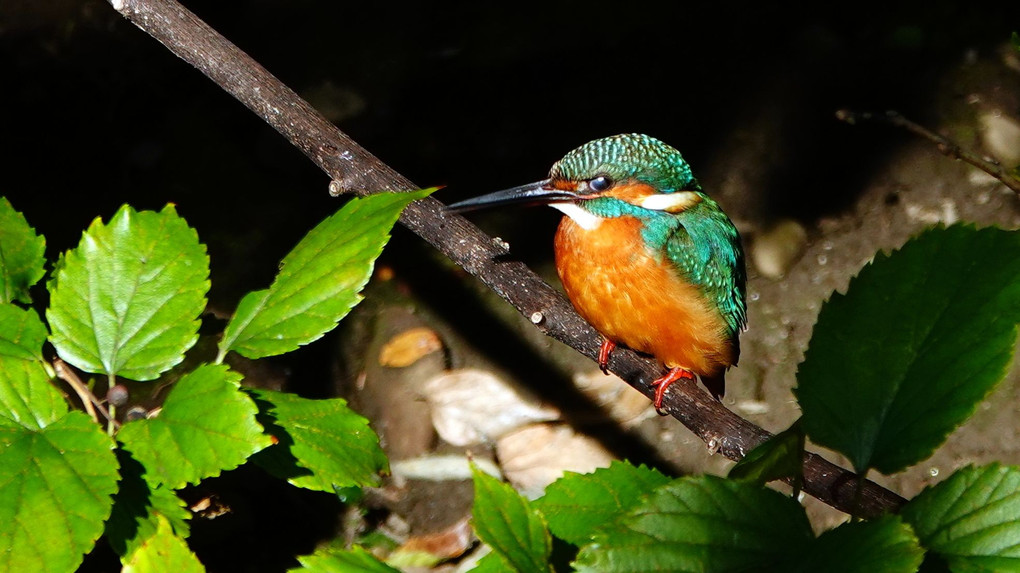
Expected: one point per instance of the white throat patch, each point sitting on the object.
(584, 219)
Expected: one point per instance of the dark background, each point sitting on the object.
(473, 96)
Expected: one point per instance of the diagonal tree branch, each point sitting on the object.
(353, 169)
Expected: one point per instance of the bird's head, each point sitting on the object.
(628, 174)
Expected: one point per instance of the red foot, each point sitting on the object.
(604, 351)
(661, 384)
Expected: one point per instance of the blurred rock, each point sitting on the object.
(979, 105)
(423, 507)
(774, 250)
(390, 396)
(1000, 135)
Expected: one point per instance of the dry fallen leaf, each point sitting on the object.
(435, 547)
(474, 406)
(537, 455)
(407, 347)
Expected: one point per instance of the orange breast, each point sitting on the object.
(632, 298)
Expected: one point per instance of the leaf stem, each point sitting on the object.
(111, 428)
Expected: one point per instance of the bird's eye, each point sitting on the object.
(600, 183)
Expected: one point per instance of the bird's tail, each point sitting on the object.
(716, 384)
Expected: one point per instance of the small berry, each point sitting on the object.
(117, 395)
(136, 413)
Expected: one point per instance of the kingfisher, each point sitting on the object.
(644, 255)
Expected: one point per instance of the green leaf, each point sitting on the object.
(885, 545)
(162, 552)
(1015, 40)
(138, 506)
(576, 505)
(920, 338)
(972, 519)
(22, 255)
(55, 488)
(322, 444)
(26, 395)
(207, 426)
(510, 525)
(702, 523)
(126, 301)
(339, 560)
(22, 334)
(778, 458)
(319, 281)
(491, 563)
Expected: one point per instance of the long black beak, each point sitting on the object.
(538, 193)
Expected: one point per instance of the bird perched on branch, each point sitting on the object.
(645, 255)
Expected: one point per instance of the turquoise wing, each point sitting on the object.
(706, 249)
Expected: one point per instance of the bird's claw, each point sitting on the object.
(605, 350)
(662, 383)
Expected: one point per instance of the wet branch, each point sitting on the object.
(944, 145)
(355, 170)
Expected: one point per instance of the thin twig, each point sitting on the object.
(944, 145)
(67, 375)
(353, 169)
(89, 400)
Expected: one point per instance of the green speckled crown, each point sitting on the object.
(626, 156)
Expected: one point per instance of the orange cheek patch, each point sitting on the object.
(632, 193)
(563, 185)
